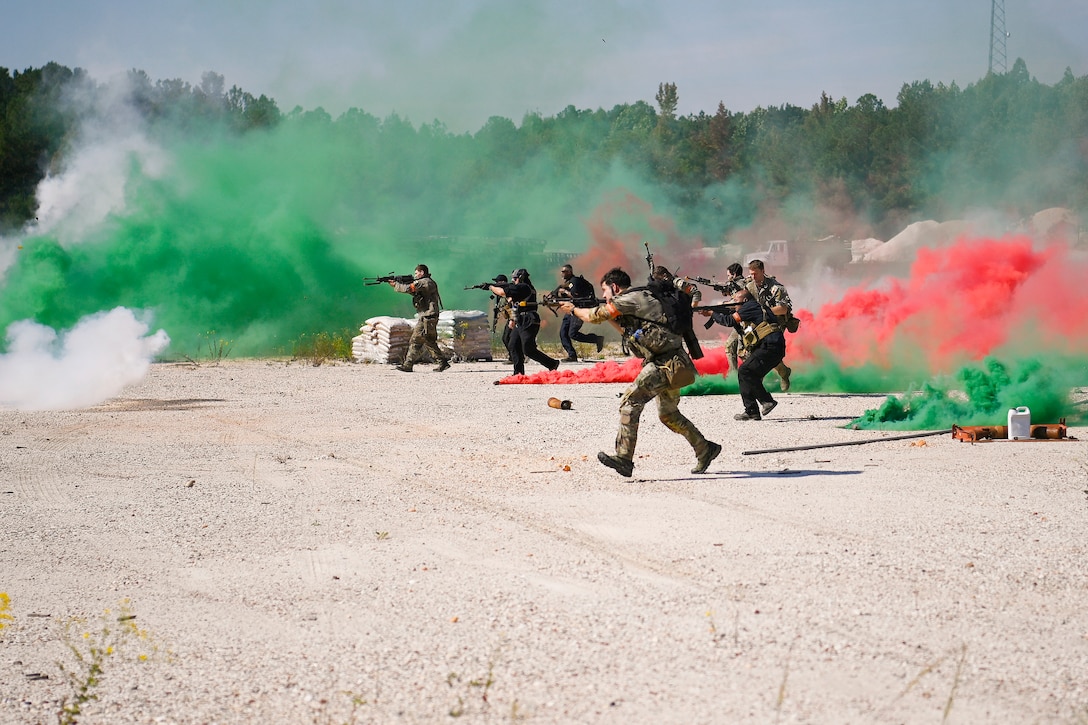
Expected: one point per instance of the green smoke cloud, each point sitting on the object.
(982, 394)
(262, 237)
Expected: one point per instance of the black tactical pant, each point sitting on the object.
(523, 344)
(760, 361)
(570, 331)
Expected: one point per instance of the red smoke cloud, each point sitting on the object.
(620, 228)
(960, 303)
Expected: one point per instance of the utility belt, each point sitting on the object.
(752, 336)
(525, 312)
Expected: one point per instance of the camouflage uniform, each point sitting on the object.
(428, 304)
(772, 294)
(666, 369)
(689, 289)
(733, 348)
(503, 318)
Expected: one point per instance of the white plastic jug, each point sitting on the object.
(1019, 423)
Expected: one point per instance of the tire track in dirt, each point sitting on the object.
(62, 439)
(40, 483)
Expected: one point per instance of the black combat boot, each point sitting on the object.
(711, 452)
(621, 466)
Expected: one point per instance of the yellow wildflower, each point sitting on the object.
(5, 605)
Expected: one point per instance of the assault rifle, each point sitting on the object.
(398, 278)
(552, 302)
(727, 307)
(494, 305)
(726, 289)
(649, 261)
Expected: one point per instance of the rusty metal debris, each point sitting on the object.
(1039, 432)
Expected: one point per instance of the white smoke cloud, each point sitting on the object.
(111, 152)
(84, 366)
(93, 185)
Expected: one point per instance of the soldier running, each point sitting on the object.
(526, 321)
(641, 320)
(578, 290)
(773, 297)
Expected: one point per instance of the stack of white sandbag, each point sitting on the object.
(462, 335)
(382, 340)
(465, 334)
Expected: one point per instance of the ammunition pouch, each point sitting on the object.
(654, 339)
(679, 370)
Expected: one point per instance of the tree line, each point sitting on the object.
(1007, 142)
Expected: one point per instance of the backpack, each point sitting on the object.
(678, 313)
(582, 292)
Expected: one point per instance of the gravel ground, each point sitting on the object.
(347, 543)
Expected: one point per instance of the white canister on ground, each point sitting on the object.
(1019, 423)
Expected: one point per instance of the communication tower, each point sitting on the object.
(998, 36)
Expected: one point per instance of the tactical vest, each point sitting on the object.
(649, 331)
(676, 307)
(788, 323)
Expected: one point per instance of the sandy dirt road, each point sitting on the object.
(349, 543)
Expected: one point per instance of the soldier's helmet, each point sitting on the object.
(520, 273)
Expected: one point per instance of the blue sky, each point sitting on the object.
(462, 61)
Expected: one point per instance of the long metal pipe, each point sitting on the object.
(847, 443)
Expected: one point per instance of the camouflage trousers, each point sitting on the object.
(424, 335)
(733, 349)
(661, 380)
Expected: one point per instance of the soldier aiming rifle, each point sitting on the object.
(735, 283)
(500, 309)
(428, 303)
(389, 279)
(579, 291)
(650, 324)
